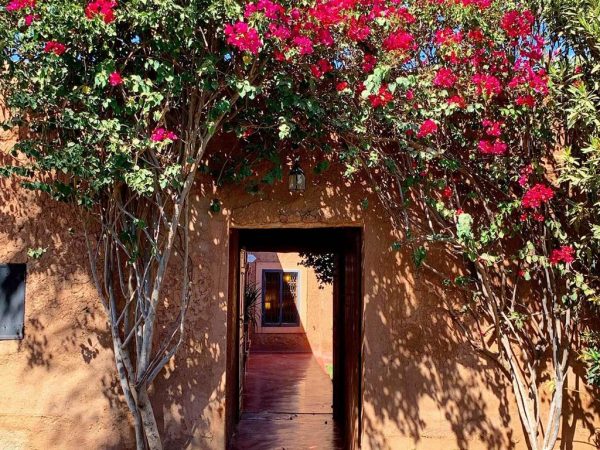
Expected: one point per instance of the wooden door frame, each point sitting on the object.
(342, 241)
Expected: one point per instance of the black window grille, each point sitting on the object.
(12, 300)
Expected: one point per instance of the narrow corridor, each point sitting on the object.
(287, 405)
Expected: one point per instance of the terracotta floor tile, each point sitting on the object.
(287, 405)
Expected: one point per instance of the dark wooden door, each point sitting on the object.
(352, 298)
(242, 330)
(232, 403)
(348, 338)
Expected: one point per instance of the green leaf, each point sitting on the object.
(215, 205)
(419, 256)
(36, 253)
(464, 227)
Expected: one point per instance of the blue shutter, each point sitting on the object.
(12, 300)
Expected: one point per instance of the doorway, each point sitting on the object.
(279, 285)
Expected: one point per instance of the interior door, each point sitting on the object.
(242, 329)
(348, 338)
(352, 312)
(232, 404)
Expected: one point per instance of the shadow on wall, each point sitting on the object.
(59, 379)
(580, 415)
(423, 386)
(420, 381)
(189, 395)
(433, 387)
(65, 361)
(418, 359)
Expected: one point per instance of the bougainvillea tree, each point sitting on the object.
(445, 105)
(116, 103)
(441, 103)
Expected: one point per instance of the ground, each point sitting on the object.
(287, 404)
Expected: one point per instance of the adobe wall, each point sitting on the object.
(422, 388)
(58, 388)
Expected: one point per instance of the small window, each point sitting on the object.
(12, 300)
(280, 299)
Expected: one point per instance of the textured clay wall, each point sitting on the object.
(57, 385)
(57, 389)
(423, 389)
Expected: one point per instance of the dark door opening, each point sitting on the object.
(345, 244)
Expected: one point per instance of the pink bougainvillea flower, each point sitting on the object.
(487, 84)
(536, 196)
(324, 37)
(321, 68)
(243, 37)
(448, 36)
(476, 35)
(565, 254)
(161, 134)
(493, 128)
(279, 56)
(497, 147)
(327, 13)
(358, 30)
(17, 5)
(399, 40)
(115, 79)
(410, 95)
(453, 58)
(444, 78)
(427, 128)
(278, 31)
(526, 100)
(447, 192)
(382, 98)
(304, 45)
(401, 13)
(102, 8)
(528, 76)
(270, 9)
(524, 175)
(30, 18)
(55, 47)
(342, 85)
(481, 4)
(517, 24)
(369, 63)
(360, 87)
(458, 101)
(158, 135)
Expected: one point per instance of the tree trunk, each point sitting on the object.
(139, 432)
(148, 420)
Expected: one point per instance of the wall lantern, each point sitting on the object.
(297, 180)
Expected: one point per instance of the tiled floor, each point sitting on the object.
(287, 405)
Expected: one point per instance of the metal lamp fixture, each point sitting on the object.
(297, 179)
